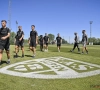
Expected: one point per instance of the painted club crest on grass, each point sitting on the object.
(52, 68)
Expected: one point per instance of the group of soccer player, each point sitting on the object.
(33, 41)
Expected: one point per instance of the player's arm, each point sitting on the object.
(61, 40)
(36, 38)
(22, 36)
(86, 39)
(43, 40)
(48, 39)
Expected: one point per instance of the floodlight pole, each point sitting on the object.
(90, 30)
(16, 26)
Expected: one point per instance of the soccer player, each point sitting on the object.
(59, 42)
(15, 43)
(33, 40)
(19, 41)
(46, 41)
(76, 44)
(4, 40)
(41, 42)
(84, 41)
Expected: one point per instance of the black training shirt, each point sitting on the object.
(19, 34)
(33, 35)
(4, 32)
(41, 40)
(46, 38)
(58, 39)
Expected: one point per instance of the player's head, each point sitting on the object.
(46, 34)
(20, 27)
(75, 33)
(83, 31)
(3, 23)
(41, 36)
(32, 27)
(58, 35)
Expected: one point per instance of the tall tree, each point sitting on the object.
(12, 37)
(51, 37)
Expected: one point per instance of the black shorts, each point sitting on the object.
(45, 43)
(19, 43)
(58, 44)
(41, 44)
(33, 44)
(5, 46)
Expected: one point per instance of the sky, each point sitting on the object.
(54, 16)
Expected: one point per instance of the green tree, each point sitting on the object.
(51, 37)
(12, 37)
(64, 41)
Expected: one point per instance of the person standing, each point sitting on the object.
(41, 42)
(33, 40)
(46, 41)
(59, 42)
(84, 42)
(4, 41)
(76, 43)
(19, 41)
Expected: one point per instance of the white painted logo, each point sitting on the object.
(52, 68)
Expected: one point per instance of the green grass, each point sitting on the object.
(8, 82)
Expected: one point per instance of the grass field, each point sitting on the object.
(8, 82)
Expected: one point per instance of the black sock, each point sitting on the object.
(16, 54)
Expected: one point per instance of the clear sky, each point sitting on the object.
(54, 16)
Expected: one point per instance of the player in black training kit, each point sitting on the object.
(84, 42)
(46, 41)
(41, 42)
(59, 42)
(4, 40)
(76, 43)
(19, 41)
(33, 40)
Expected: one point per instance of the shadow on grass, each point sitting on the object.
(3, 62)
(14, 56)
(28, 55)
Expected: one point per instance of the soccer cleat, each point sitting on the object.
(16, 56)
(0, 63)
(71, 50)
(82, 53)
(79, 52)
(22, 56)
(33, 56)
(8, 62)
(87, 52)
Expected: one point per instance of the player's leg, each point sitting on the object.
(16, 48)
(78, 47)
(40, 47)
(59, 47)
(44, 47)
(47, 47)
(31, 46)
(73, 47)
(34, 52)
(1, 52)
(22, 47)
(83, 49)
(86, 50)
(7, 48)
(16, 51)
(34, 49)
